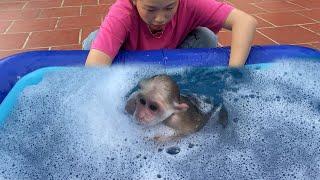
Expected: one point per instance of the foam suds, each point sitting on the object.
(72, 125)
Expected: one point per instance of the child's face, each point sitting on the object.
(156, 13)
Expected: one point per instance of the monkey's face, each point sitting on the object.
(150, 110)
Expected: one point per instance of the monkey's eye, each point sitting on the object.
(153, 107)
(142, 101)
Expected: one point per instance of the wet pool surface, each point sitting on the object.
(72, 126)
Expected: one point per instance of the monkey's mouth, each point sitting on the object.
(144, 122)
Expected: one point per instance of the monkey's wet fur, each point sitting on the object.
(158, 100)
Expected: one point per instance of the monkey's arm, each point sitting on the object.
(131, 103)
(181, 128)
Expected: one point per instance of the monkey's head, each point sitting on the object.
(158, 98)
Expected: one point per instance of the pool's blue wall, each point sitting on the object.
(14, 67)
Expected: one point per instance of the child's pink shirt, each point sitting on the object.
(123, 26)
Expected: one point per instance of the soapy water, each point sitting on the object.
(72, 125)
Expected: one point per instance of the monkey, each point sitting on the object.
(158, 100)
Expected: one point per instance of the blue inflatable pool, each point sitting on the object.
(17, 66)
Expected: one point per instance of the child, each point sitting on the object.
(156, 24)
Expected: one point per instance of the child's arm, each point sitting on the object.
(98, 58)
(243, 28)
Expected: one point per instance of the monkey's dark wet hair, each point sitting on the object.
(164, 83)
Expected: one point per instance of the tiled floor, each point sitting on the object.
(62, 24)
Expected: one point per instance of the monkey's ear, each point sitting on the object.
(181, 107)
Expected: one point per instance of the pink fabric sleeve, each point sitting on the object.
(112, 32)
(211, 14)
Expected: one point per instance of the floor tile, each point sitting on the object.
(262, 23)
(250, 8)
(224, 38)
(12, 41)
(53, 38)
(4, 25)
(278, 6)
(79, 2)
(67, 47)
(11, 5)
(310, 4)
(290, 35)
(106, 1)
(33, 25)
(285, 18)
(60, 12)
(19, 14)
(43, 4)
(316, 45)
(313, 14)
(313, 27)
(78, 22)
(260, 39)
